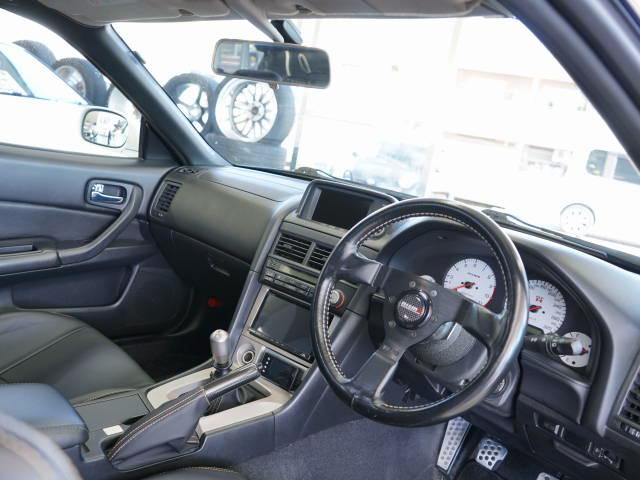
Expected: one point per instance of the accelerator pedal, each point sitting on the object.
(490, 453)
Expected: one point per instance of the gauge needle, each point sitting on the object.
(464, 285)
(534, 308)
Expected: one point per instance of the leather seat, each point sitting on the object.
(65, 353)
(27, 454)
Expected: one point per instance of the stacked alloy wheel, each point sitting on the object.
(236, 109)
(78, 73)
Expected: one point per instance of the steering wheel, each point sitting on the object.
(414, 308)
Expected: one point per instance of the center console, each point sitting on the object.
(275, 333)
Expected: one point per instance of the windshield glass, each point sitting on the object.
(434, 107)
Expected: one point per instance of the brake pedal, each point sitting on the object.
(490, 453)
(546, 476)
(454, 435)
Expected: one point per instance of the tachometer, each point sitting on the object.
(472, 278)
(547, 307)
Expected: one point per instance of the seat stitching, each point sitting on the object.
(41, 349)
(138, 430)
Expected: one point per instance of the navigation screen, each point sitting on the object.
(340, 209)
(286, 324)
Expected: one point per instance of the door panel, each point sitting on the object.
(60, 252)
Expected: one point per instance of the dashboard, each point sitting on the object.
(269, 236)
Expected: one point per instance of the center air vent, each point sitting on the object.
(292, 247)
(629, 415)
(166, 197)
(319, 256)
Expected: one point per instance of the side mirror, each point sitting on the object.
(272, 63)
(105, 128)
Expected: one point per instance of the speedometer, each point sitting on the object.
(472, 278)
(547, 307)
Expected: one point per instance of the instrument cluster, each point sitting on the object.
(459, 261)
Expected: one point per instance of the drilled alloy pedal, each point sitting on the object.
(490, 453)
(454, 435)
(546, 476)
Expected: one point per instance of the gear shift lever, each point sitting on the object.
(220, 352)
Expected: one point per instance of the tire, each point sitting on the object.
(117, 102)
(84, 78)
(270, 118)
(577, 219)
(194, 94)
(38, 50)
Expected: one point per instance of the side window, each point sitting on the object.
(625, 170)
(596, 162)
(52, 98)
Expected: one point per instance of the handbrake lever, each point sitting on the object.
(164, 432)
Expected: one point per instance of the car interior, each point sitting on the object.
(177, 316)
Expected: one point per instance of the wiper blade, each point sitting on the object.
(621, 259)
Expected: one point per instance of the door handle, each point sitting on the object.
(106, 193)
(104, 198)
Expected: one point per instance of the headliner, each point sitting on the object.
(91, 12)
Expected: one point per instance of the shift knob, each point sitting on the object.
(220, 351)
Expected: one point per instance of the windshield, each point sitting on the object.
(474, 109)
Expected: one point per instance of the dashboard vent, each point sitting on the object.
(630, 412)
(188, 170)
(292, 247)
(166, 197)
(319, 256)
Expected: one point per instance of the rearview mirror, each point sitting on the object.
(105, 128)
(272, 62)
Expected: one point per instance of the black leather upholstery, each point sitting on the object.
(61, 351)
(26, 454)
(42, 407)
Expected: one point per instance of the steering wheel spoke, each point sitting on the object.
(378, 370)
(480, 322)
(356, 268)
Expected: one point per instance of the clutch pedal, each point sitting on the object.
(490, 453)
(546, 476)
(454, 435)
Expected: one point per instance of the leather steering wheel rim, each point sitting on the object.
(502, 334)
